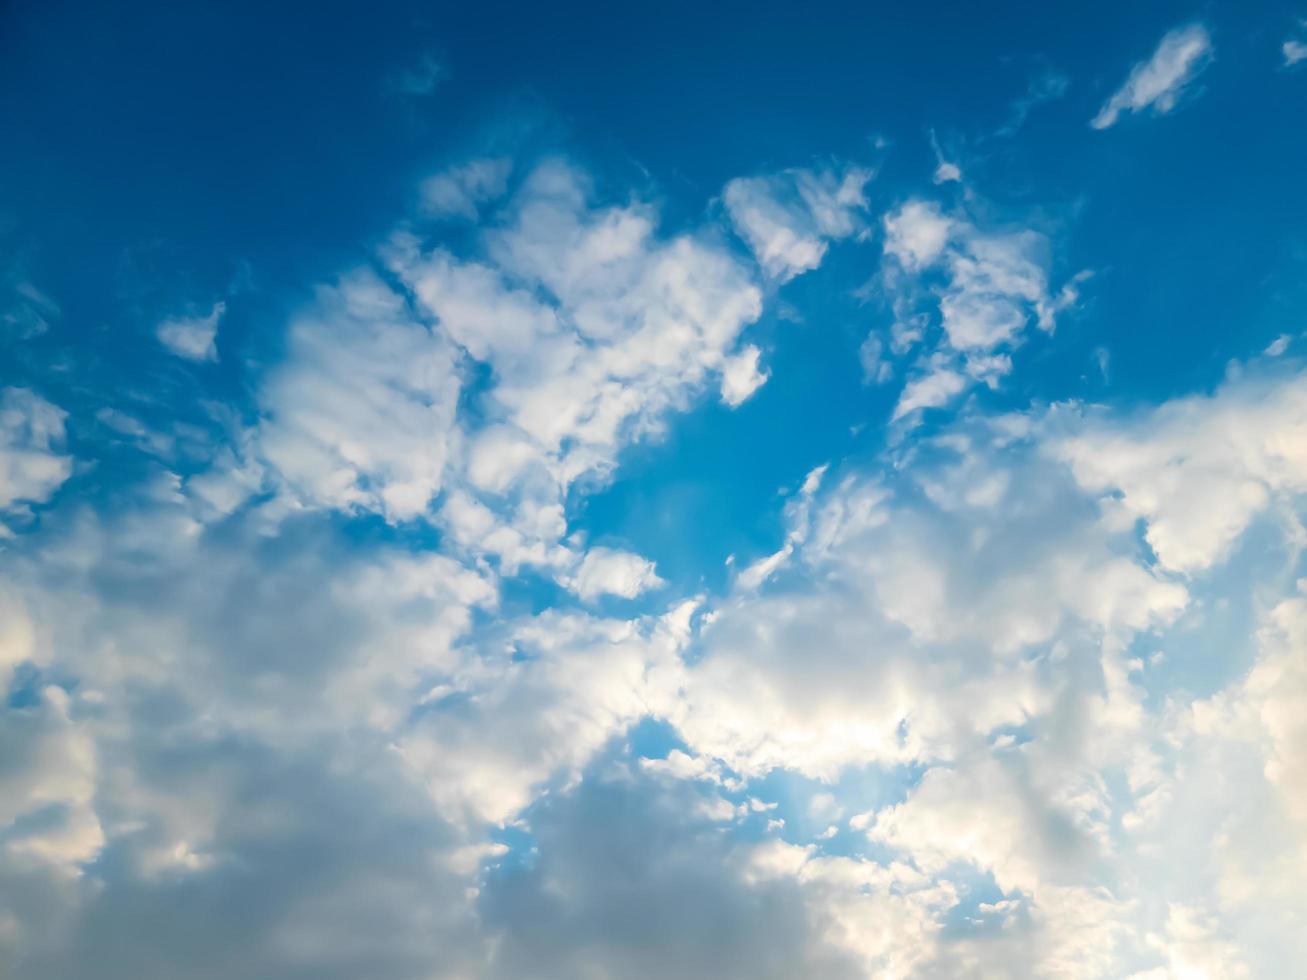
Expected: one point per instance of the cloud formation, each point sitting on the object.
(1160, 82)
(788, 219)
(407, 645)
(193, 338)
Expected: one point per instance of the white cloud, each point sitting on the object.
(787, 219)
(966, 610)
(947, 172)
(916, 233)
(1159, 82)
(509, 726)
(48, 765)
(604, 571)
(741, 376)
(193, 338)
(461, 190)
(361, 415)
(32, 465)
(1191, 949)
(931, 390)
(1198, 470)
(1294, 52)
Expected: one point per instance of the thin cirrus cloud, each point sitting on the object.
(1159, 83)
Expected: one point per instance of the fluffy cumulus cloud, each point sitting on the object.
(473, 391)
(355, 672)
(362, 413)
(1160, 82)
(965, 629)
(964, 294)
(1199, 470)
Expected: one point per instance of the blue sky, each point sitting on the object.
(571, 491)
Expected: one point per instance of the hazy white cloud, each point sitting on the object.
(48, 780)
(741, 376)
(193, 338)
(916, 233)
(789, 218)
(1294, 51)
(1159, 82)
(503, 728)
(461, 190)
(1198, 470)
(361, 414)
(933, 389)
(32, 462)
(968, 611)
(594, 327)
(27, 313)
(983, 287)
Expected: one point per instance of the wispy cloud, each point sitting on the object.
(193, 338)
(421, 79)
(789, 218)
(1048, 87)
(1159, 82)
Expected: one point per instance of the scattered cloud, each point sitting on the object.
(1044, 88)
(977, 288)
(360, 669)
(741, 376)
(1159, 82)
(193, 338)
(789, 218)
(461, 190)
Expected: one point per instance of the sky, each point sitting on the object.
(653, 491)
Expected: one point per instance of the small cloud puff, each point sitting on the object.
(605, 571)
(193, 338)
(741, 376)
(788, 219)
